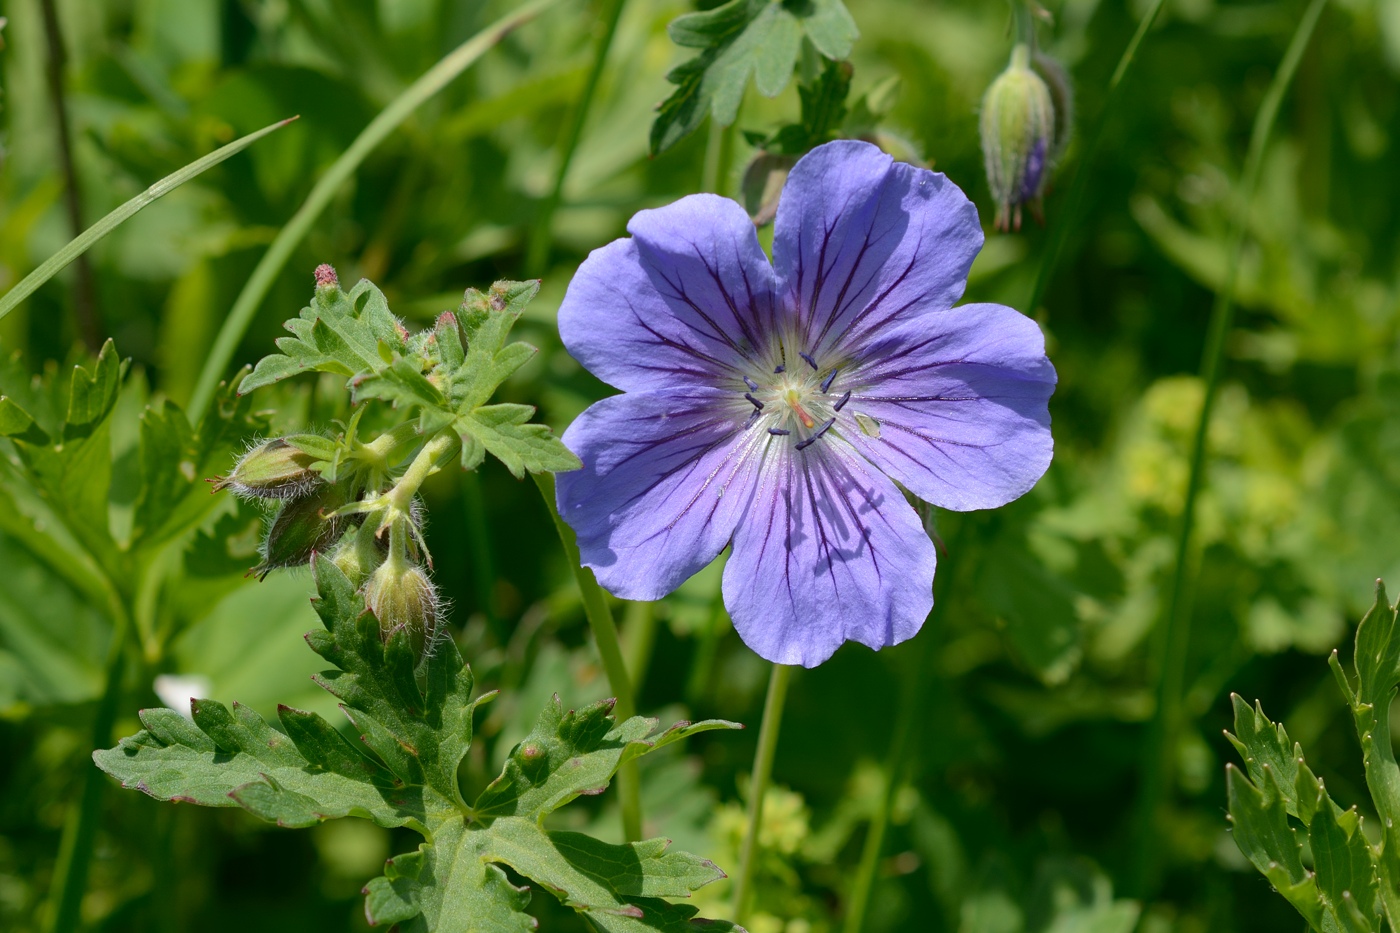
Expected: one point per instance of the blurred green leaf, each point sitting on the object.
(739, 39)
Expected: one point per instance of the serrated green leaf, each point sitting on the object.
(18, 423)
(92, 393)
(1262, 833)
(1264, 745)
(224, 752)
(1342, 860)
(1261, 827)
(1377, 652)
(587, 874)
(521, 447)
(416, 727)
(339, 332)
(572, 753)
(739, 39)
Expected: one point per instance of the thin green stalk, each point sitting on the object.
(913, 680)
(1069, 211)
(85, 307)
(758, 783)
(595, 607)
(709, 169)
(245, 306)
(79, 833)
(537, 256)
(639, 635)
(1172, 638)
(483, 561)
(719, 156)
(81, 244)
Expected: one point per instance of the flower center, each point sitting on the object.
(801, 404)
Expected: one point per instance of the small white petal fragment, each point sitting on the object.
(176, 690)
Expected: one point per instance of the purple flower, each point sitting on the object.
(775, 406)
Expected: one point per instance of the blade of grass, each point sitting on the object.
(1069, 213)
(82, 243)
(84, 294)
(1173, 635)
(296, 229)
(537, 256)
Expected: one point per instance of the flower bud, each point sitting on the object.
(274, 469)
(303, 527)
(403, 599)
(358, 554)
(1018, 137)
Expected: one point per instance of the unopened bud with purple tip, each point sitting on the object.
(1018, 138)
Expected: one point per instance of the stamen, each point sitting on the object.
(756, 403)
(780, 368)
(830, 378)
(816, 435)
(808, 357)
(780, 432)
(841, 403)
(753, 386)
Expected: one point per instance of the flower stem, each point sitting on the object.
(483, 562)
(639, 634)
(913, 680)
(75, 848)
(1172, 637)
(537, 255)
(1069, 213)
(425, 464)
(85, 308)
(600, 620)
(758, 782)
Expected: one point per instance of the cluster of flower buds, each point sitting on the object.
(1027, 113)
(377, 546)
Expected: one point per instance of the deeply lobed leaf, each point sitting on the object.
(415, 726)
(447, 374)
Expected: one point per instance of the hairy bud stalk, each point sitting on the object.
(1018, 138)
(274, 469)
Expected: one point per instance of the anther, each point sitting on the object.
(830, 378)
(841, 403)
(816, 435)
(753, 386)
(779, 432)
(808, 357)
(756, 403)
(779, 369)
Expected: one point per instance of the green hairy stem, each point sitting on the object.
(758, 783)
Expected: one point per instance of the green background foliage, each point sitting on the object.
(1033, 687)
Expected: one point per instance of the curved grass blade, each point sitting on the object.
(84, 241)
(296, 229)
